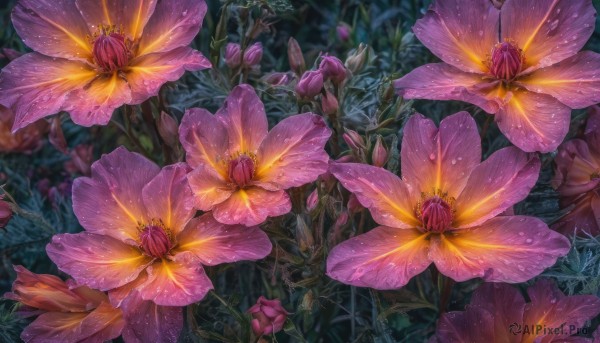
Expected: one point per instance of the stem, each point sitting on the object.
(352, 312)
(486, 126)
(231, 310)
(445, 293)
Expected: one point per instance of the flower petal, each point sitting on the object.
(204, 139)
(175, 283)
(55, 327)
(173, 24)
(100, 262)
(36, 86)
(148, 73)
(505, 303)
(503, 249)
(575, 164)
(244, 117)
(499, 182)
(473, 325)
(533, 121)
(110, 202)
(168, 197)
(441, 81)
(251, 206)
(383, 258)
(551, 308)
(148, 322)
(95, 103)
(215, 243)
(460, 33)
(582, 219)
(440, 160)
(130, 15)
(209, 188)
(386, 196)
(52, 27)
(575, 81)
(548, 31)
(293, 154)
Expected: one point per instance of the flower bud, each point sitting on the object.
(110, 51)
(312, 201)
(81, 160)
(277, 79)
(154, 241)
(354, 206)
(356, 61)
(343, 31)
(354, 140)
(268, 316)
(379, 155)
(310, 84)
(56, 136)
(295, 57)
(168, 129)
(253, 55)
(304, 235)
(241, 170)
(5, 212)
(233, 56)
(333, 69)
(329, 103)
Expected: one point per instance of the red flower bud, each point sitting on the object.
(380, 154)
(268, 316)
(333, 69)
(354, 140)
(295, 57)
(168, 129)
(233, 56)
(310, 84)
(110, 51)
(154, 241)
(5, 212)
(312, 201)
(241, 170)
(329, 103)
(253, 55)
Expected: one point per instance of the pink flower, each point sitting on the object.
(268, 316)
(140, 239)
(332, 68)
(66, 312)
(499, 313)
(577, 179)
(241, 171)
(91, 57)
(6, 212)
(445, 210)
(520, 62)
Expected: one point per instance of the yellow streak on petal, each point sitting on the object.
(518, 106)
(196, 243)
(138, 18)
(473, 57)
(171, 276)
(412, 245)
(124, 209)
(82, 43)
(216, 166)
(266, 165)
(106, 12)
(88, 74)
(539, 26)
(407, 214)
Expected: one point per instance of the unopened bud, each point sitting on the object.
(295, 57)
(329, 103)
(312, 201)
(304, 235)
(333, 69)
(354, 140)
(356, 61)
(343, 31)
(168, 129)
(253, 55)
(310, 84)
(233, 56)
(380, 154)
(56, 136)
(5, 212)
(354, 205)
(277, 79)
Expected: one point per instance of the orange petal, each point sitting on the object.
(383, 258)
(251, 206)
(130, 15)
(36, 86)
(53, 27)
(548, 31)
(175, 283)
(95, 103)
